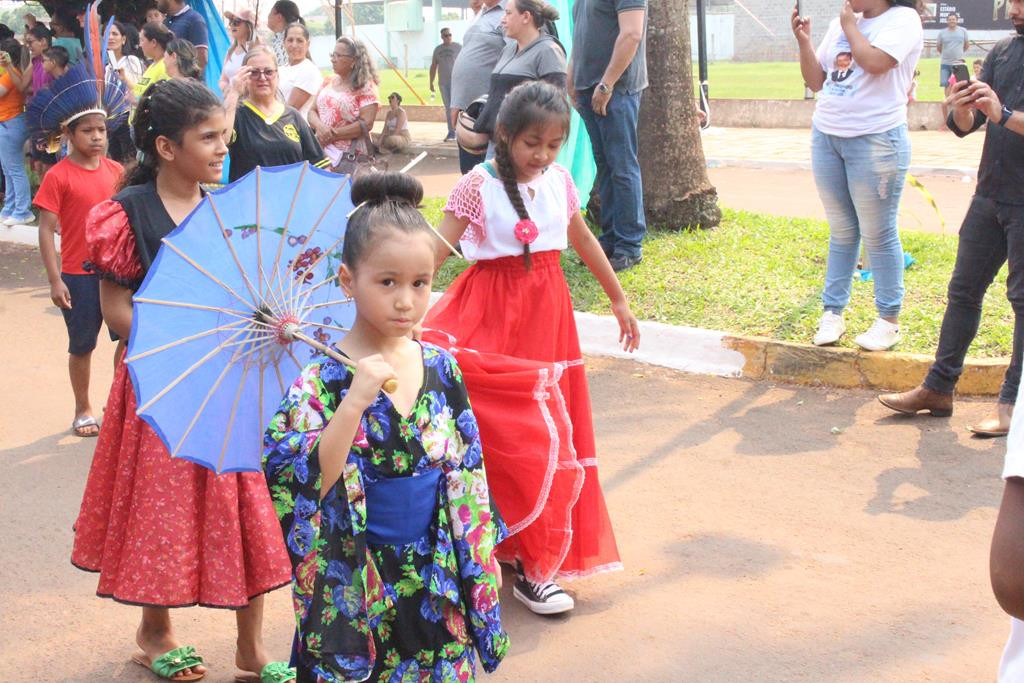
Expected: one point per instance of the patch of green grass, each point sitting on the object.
(762, 275)
(726, 80)
(391, 82)
(782, 80)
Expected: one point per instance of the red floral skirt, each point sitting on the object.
(515, 338)
(165, 532)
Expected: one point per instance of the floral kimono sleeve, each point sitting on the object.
(290, 458)
(476, 530)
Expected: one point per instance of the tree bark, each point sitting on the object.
(677, 192)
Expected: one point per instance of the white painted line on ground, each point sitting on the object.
(676, 347)
(671, 346)
(22, 234)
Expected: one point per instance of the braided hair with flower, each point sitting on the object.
(529, 104)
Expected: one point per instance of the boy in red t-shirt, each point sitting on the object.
(69, 191)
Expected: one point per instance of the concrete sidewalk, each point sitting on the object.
(933, 151)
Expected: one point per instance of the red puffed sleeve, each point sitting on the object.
(110, 245)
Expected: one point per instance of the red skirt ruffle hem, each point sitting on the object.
(165, 532)
(514, 336)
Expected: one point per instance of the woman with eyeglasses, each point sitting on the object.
(346, 105)
(264, 130)
(242, 25)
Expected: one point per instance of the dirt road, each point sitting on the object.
(759, 545)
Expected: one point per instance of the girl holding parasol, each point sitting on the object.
(383, 498)
(166, 532)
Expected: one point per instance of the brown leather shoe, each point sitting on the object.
(920, 398)
(995, 425)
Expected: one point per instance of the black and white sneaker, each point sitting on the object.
(542, 598)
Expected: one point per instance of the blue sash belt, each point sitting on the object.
(400, 510)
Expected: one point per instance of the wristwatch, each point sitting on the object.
(603, 87)
(1007, 113)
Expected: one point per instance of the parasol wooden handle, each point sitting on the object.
(391, 386)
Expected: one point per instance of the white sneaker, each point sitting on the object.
(9, 221)
(830, 328)
(881, 336)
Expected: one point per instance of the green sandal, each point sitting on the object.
(170, 663)
(275, 672)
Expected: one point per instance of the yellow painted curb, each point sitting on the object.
(851, 369)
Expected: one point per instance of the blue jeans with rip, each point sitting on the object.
(860, 181)
(18, 195)
(614, 141)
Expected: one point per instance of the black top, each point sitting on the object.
(543, 59)
(149, 220)
(1001, 173)
(259, 141)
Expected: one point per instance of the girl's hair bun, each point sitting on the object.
(377, 188)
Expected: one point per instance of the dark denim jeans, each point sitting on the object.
(991, 235)
(613, 138)
(467, 161)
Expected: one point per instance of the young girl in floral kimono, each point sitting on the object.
(382, 497)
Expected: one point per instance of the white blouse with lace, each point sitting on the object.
(551, 200)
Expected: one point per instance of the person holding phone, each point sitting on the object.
(860, 151)
(992, 233)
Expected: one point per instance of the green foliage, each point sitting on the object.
(762, 275)
(782, 80)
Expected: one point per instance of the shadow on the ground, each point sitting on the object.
(765, 429)
(725, 557)
(952, 478)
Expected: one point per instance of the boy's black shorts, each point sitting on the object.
(84, 318)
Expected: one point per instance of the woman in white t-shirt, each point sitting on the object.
(242, 25)
(860, 151)
(300, 80)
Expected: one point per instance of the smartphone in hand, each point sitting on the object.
(960, 73)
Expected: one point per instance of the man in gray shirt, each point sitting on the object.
(471, 75)
(951, 44)
(441, 67)
(607, 73)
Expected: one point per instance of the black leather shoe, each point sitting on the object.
(621, 262)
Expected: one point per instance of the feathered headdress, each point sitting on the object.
(85, 89)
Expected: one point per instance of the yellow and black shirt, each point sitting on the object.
(278, 140)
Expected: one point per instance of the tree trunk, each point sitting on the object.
(677, 192)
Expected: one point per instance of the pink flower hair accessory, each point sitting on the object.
(526, 231)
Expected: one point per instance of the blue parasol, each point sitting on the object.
(246, 275)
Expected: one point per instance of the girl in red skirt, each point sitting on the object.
(509, 320)
(163, 532)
